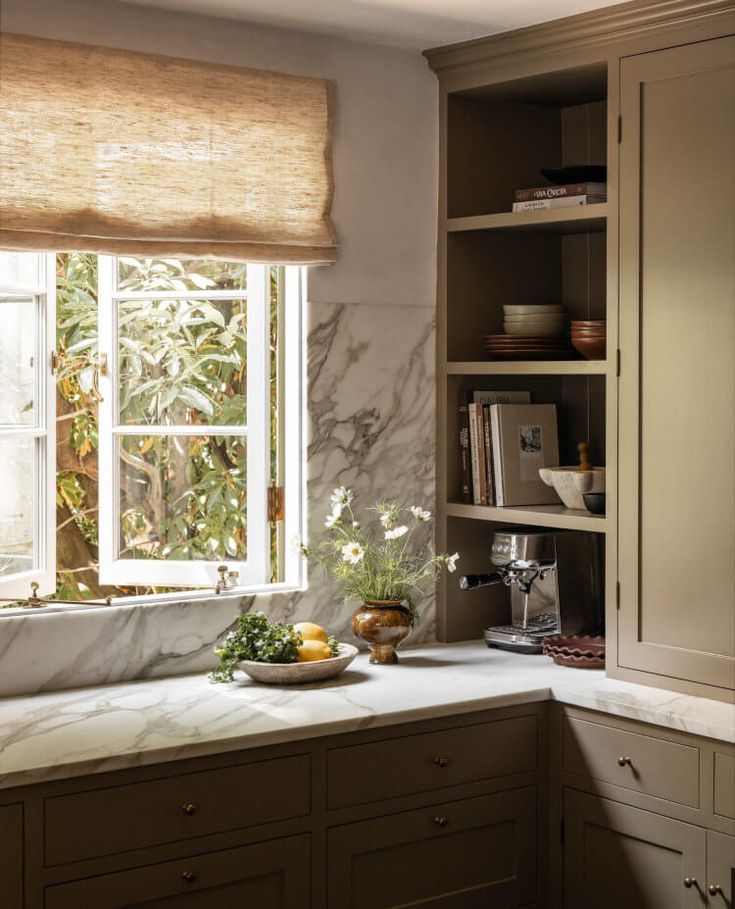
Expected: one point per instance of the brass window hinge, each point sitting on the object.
(276, 504)
(54, 362)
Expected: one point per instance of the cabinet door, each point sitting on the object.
(11, 856)
(273, 875)
(617, 856)
(472, 854)
(677, 384)
(720, 870)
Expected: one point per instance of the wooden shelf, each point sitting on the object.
(581, 219)
(526, 368)
(555, 516)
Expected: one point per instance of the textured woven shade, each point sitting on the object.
(117, 152)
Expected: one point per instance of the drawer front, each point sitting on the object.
(473, 853)
(11, 856)
(418, 763)
(273, 875)
(104, 821)
(725, 784)
(642, 763)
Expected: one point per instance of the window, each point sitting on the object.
(179, 425)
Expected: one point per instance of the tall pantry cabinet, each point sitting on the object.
(647, 88)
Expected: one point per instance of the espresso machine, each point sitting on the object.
(554, 581)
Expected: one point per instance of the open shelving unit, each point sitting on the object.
(497, 137)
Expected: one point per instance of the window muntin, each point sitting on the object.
(27, 424)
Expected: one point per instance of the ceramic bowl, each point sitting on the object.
(534, 329)
(570, 483)
(594, 502)
(552, 318)
(591, 348)
(300, 673)
(523, 309)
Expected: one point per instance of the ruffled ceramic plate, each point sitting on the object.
(580, 651)
(300, 673)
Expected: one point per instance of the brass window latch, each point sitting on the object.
(228, 579)
(276, 504)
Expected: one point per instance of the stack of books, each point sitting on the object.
(503, 441)
(540, 197)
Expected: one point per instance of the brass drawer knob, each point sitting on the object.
(440, 820)
(189, 808)
(714, 890)
(441, 761)
(690, 882)
(623, 761)
(189, 876)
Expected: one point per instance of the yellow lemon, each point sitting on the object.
(310, 631)
(314, 650)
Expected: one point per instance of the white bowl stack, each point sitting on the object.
(529, 321)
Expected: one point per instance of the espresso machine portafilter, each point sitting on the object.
(554, 586)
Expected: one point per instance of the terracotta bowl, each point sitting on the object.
(300, 673)
(591, 348)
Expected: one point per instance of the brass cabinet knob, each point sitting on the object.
(189, 808)
(189, 876)
(440, 820)
(690, 882)
(622, 761)
(714, 890)
(441, 761)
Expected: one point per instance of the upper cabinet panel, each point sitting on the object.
(677, 388)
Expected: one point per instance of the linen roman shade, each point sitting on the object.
(118, 152)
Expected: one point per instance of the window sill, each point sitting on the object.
(157, 599)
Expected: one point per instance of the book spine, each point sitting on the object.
(481, 454)
(562, 202)
(474, 462)
(497, 448)
(465, 476)
(489, 495)
(555, 192)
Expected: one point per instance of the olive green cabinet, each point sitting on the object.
(11, 856)
(677, 379)
(720, 870)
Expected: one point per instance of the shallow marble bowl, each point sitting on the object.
(300, 673)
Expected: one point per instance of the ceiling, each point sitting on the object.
(406, 23)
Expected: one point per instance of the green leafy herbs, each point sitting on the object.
(255, 638)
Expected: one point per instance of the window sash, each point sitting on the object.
(42, 431)
(253, 570)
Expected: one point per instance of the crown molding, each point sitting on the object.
(603, 26)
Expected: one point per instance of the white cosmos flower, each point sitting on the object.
(452, 562)
(418, 512)
(385, 519)
(396, 532)
(341, 497)
(352, 553)
(332, 519)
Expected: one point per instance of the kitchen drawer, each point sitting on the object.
(104, 821)
(418, 763)
(273, 875)
(641, 763)
(724, 784)
(471, 853)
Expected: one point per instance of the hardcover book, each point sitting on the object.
(561, 202)
(556, 192)
(465, 468)
(524, 439)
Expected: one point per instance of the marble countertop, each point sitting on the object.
(88, 730)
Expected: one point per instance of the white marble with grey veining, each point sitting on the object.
(371, 427)
(65, 734)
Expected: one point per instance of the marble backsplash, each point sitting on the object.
(371, 413)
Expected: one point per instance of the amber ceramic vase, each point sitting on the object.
(382, 624)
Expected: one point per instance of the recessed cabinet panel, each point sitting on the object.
(273, 875)
(11, 856)
(724, 797)
(677, 386)
(472, 854)
(720, 869)
(616, 856)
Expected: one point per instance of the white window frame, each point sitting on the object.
(43, 572)
(253, 570)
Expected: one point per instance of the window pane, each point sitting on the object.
(180, 274)
(19, 268)
(17, 358)
(17, 507)
(182, 362)
(182, 497)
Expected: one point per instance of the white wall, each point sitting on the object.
(371, 328)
